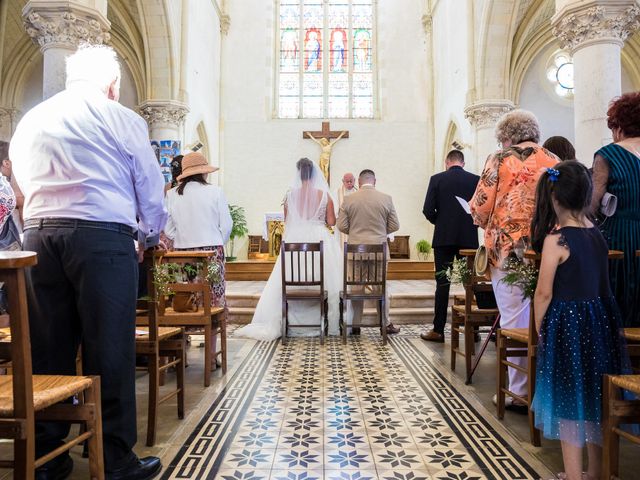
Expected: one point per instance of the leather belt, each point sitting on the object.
(40, 223)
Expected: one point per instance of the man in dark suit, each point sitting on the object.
(454, 229)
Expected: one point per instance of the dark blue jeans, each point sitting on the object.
(83, 292)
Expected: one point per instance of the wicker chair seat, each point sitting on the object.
(628, 382)
(142, 312)
(461, 309)
(163, 333)
(47, 390)
(170, 312)
(517, 334)
(632, 334)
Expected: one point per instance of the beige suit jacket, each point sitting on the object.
(367, 216)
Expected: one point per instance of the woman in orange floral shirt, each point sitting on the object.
(503, 206)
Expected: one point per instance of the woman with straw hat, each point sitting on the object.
(199, 217)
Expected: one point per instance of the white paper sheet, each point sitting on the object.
(464, 204)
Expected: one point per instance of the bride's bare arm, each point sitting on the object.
(331, 213)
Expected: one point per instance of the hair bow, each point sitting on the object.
(553, 174)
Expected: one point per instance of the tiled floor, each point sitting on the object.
(354, 412)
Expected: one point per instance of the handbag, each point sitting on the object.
(10, 236)
(481, 261)
(608, 204)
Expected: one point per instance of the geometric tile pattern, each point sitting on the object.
(303, 411)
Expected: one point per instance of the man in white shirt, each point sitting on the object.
(88, 171)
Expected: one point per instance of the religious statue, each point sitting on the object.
(325, 156)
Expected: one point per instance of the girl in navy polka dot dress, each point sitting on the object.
(576, 316)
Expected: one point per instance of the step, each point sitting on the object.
(412, 300)
(242, 299)
(240, 315)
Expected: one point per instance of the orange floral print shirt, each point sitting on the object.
(504, 200)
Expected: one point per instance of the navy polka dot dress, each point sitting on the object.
(580, 340)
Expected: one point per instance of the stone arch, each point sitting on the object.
(18, 67)
(127, 40)
(533, 35)
(497, 27)
(161, 67)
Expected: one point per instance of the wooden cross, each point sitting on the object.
(326, 133)
(326, 139)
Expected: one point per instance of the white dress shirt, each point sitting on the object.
(198, 218)
(80, 155)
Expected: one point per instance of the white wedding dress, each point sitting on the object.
(267, 320)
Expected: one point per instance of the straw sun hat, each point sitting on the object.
(194, 163)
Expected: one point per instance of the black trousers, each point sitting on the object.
(443, 257)
(83, 292)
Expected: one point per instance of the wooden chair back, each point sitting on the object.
(365, 265)
(23, 409)
(475, 283)
(206, 319)
(12, 265)
(302, 266)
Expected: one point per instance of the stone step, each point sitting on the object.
(242, 299)
(240, 315)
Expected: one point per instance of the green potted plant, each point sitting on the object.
(239, 228)
(424, 249)
(167, 273)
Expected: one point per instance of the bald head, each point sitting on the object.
(348, 181)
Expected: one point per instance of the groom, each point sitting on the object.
(368, 216)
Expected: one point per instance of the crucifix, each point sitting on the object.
(326, 139)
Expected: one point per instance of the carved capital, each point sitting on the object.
(225, 23)
(64, 25)
(9, 116)
(594, 22)
(487, 113)
(168, 112)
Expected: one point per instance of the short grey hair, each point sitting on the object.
(518, 126)
(97, 64)
(366, 175)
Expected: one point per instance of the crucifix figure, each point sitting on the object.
(326, 139)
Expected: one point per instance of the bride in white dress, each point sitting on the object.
(308, 211)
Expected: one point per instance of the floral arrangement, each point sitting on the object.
(522, 275)
(167, 273)
(458, 273)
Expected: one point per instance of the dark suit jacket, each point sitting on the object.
(454, 226)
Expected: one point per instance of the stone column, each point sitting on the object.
(58, 28)
(483, 116)
(594, 31)
(165, 119)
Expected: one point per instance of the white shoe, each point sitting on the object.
(508, 401)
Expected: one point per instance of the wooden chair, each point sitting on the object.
(26, 398)
(303, 280)
(616, 411)
(519, 342)
(156, 343)
(207, 320)
(467, 318)
(364, 278)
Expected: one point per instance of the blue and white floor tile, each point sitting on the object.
(359, 411)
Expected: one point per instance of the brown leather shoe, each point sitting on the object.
(432, 336)
(391, 329)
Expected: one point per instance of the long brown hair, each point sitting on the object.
(198, 177)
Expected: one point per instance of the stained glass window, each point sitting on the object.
(326, 67)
